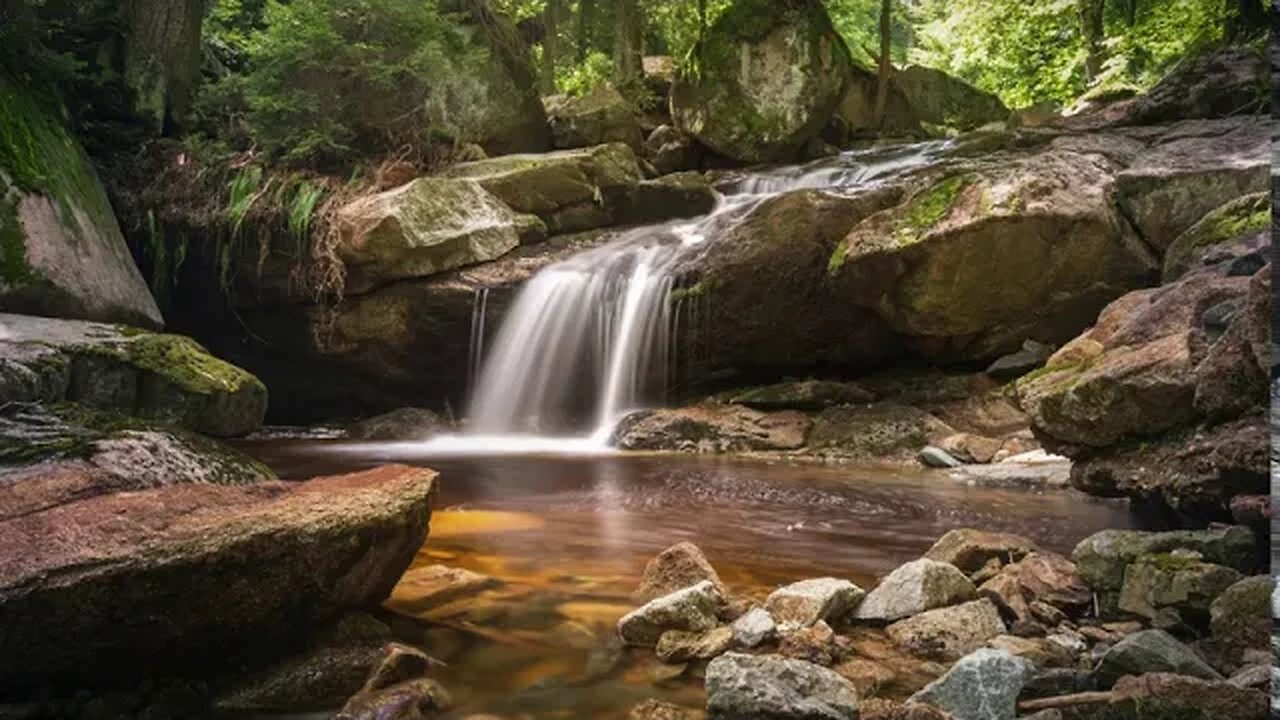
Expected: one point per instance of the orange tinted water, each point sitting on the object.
(569, 536)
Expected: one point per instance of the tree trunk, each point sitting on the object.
(628, 53)
(886, 67)
(550, 45)
(586, 20)
(1092, 30)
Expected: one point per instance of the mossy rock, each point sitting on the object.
(1241, 217)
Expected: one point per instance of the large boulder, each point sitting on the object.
(61, 251)
(601, 116)
(770, 75)
(983, 256)
(569, 190)
(166, 378)
(940, 99)
(129, 581)
(983, 685)
(769, 686)
(424, 227)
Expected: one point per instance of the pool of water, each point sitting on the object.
(568, 536)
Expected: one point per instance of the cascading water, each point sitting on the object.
(590, 338)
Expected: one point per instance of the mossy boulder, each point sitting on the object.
(1225, 234)
(769, 75)
(425, 227)
(601, 116)
(61, 250)
(569, 190)
(166, 378)
(943, 100)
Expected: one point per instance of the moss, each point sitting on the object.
(178, 359)
(927, 208)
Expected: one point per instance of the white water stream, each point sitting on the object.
(589, 339)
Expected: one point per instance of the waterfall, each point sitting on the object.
(590, 338)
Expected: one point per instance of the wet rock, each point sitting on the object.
(659, 710)
(807, 395)
(772, 75)
(913, 588)
(273, 558)
(970, 549)
(424, 227)
(680, 566)
(934, 457)
(678, 646)
(808, 601)
(753, 628)
(1151, 651)
(1177, 582)
(983, 685)
(949, 633)
(1179, 696)
(882, 431)
(412, 700)
(1239, 620)
(166, 378)
(769, 686)
(711, 428)
(692, 609)
(971, 448)
(405, 424)
(601, 116)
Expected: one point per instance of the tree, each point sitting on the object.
(628, 41)
(886, 65)
(1093, 31)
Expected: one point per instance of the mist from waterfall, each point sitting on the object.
(589, 339)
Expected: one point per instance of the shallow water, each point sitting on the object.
(568, 536)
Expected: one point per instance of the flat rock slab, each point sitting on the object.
(132, 579)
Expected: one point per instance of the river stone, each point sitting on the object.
(1168, 695)
(679, 646)
(771, 75)
(692, 609)
(600, 116)
(808, 601)
(1239, 619)
(424, 227)
(165, 378)
(64, 255)
(1178, 582)
(680, 566)
(1222, 234)
(984, 685)
(970, 549)
(1103, 557)
(918, 586)
(754, 627)
(775, 688)
(200, 568)
(1151, 651)
(570, 190)
(948, 633)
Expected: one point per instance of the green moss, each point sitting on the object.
(178, 359)
(927, 208)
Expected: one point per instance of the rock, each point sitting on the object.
(934, 457)
(1103, 558)
(960, 270)
(422, 228)
(771, 76)
(692, 609)
(1196, 167)
(984, 685)
(970, 549)
(882, 431)
(806, 395)
(679, 195)
(941, 99)
(678, 646)
(754, 627)
(971, 448)
(948, 633)
(670, 150)
(1239, 619)
(569, 190)
(711, 428)
(412, 700)
(659, 710)
(601, 116)
(405, 425)
(431, 586)
(680, 566)
(1178, 582)
(913, 588)
(1016, 364)
(165, 378)
(274, 558)
(769, 686)
(64, 255)
(1225, 233)
(1150, 651)
(808, 601)
(1177, 696)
